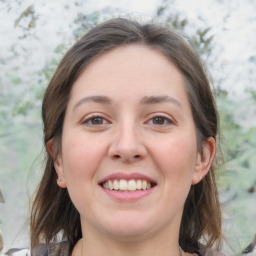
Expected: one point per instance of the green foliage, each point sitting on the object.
(253, 93)
(239, 147)
(1, 241)
(238, 176)
(84, 22)
(202, 39)
(1, 197)
(1, 238)
(176, 23)
(28, 16)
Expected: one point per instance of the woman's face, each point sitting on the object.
(129, 148)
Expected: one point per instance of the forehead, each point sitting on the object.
(127, 66)
(129, 56)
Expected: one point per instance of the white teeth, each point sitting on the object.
(116, 185)
(124, 185)
(132, 185)
(144, 184)
(139, 184)
(106, 185)
(110, 185)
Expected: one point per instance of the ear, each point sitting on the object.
(204, 160)
(57, 160)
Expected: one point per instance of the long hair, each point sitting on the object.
(53, 213)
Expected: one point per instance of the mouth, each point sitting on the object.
(130, 185)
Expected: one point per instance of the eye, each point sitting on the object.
(97, 120)
(160, 121)
(94, 121)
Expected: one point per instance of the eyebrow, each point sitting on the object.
(160, 99)
(147, 100)
(97, 99)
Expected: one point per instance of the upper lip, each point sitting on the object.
(127, 176)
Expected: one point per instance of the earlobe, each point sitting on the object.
(204, 160)
(57, 160)
(59, 170)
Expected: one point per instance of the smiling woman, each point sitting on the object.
(130, 129)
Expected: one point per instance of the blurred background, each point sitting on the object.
(34, 35)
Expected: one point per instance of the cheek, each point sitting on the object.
(81, 159)
(176, 158)
(81, 156)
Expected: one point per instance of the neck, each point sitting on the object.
(89, 246)
(162, 241)
(88, 249)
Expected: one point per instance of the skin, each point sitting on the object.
(130, 135)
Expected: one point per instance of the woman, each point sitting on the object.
(130, 128)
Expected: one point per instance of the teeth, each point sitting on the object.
(139, 184)
(144, 184)
(116, 185)
(110, 185)
(124, 185)
(132, 185)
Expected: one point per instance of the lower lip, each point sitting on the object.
(128, 196)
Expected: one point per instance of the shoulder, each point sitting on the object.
(53, 249)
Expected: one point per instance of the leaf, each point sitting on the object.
(26, 13)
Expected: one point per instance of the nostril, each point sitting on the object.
(137, 156)
(116, 156)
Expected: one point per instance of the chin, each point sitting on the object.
(129, 227)
(131, 234)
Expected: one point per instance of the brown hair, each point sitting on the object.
(52, 211)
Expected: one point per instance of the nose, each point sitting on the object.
(127, 145)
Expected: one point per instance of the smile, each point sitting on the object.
(123, 185)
